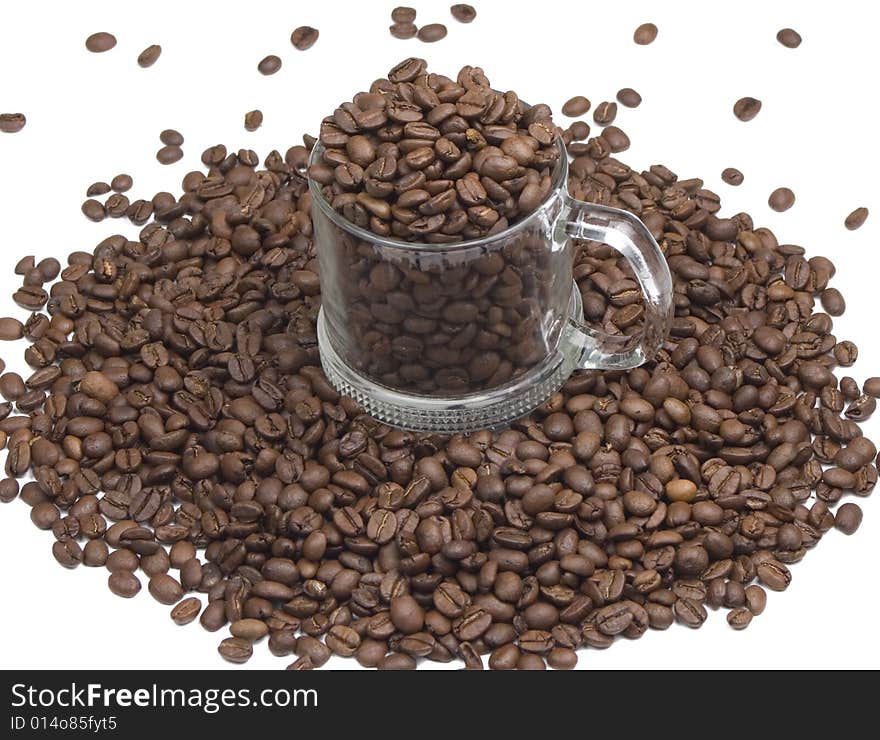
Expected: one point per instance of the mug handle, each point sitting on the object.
(628, 235)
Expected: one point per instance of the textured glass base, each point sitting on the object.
(454, 413)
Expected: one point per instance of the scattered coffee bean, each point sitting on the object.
(10, 329)
(270, 65)
(170, 137)
(100, 42)
(746, 108)
(149, 56)
(463, 13)
(304, 37)
(645, 34)
(789, 38)
(732, 176)
(739, 618)
(432, 32)
(605, 113)
(93, 210)
(121, 183)
(253, 120)
(403, 30)
(781, 199)
(856, 218)
(186, 611)
(8, 490)
(169, 154)
(576, 106)
(236, 650)
(403, 14)
(97, 188)
(124, 583)
(848, 518)
(12, 123)
(629, 98)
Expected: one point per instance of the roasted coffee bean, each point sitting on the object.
(403, 30)
(732, 176)
(253, 120)
(576, 106)
(432, 32)
(168, 155)
(93, 210)
(236, 650)
(856, 218)
(8, 490)
(149, 56)
(645, 34)
(781, 199)
(774, 575)
(605, 113)
(165, 589)
(186, 611)
(124, 583)
(12, 123)
(403, 14)
(463, 13)
(170, 137)
(739, 618)
(789, 38)
(269, 65)
(746, 108)
(100, 42)
(10, 329)
(629, 98)
(848, 518)
(304, 37)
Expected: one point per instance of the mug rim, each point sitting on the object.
(560, 179)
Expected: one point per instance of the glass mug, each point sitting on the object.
(475, 334)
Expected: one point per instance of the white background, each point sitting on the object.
(91, 116)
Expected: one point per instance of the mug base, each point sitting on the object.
(466, 412)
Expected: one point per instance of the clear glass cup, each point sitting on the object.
(475, 334)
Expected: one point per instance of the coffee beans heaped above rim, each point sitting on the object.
(177, 402)
(458, 162)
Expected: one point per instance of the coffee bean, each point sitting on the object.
(789, 38)
(746, 108)
(251, 630)
(253, 120)
(856, 218)
(629, 98)
(124, 583)
(93, 210)
(165, 589)
(171, 137)
(168, 155)
(95, 553)
(406, 614)
(403, 14)
(774, 575)
(848, 518)
(8, 490)
(463, 13)
(100, 42)
(781, 199)
(235, 650)
(689, 612)
(97, 188)
(186, 611)
(605, 113)
(269, 65)
(68, 553)
(121, 183)
(432, 32)
(732, 176)
(576, 106)
(12, 123)
(403, 30)
(645, 34)
(739, 618)
(149, 56)
(10, 329)
(304, 37)
(832, 301)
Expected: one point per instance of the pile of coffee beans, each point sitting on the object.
(424, 157)
(180, 432)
